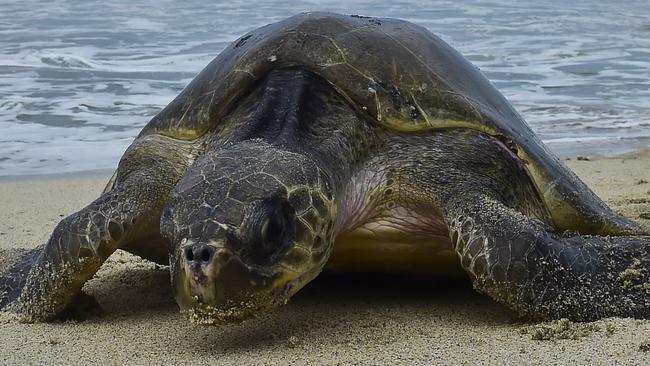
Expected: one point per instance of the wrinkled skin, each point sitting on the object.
(250, 211)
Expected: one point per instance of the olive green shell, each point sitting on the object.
(400, 74)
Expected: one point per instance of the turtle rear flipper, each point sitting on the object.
(524, 264)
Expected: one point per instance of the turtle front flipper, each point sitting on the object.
(14, 267)
(42, 284)
(46, 281)
(523, 263)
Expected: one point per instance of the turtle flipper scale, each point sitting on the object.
(540, 274)
(127, 212)
(80, 243)
(17, 263)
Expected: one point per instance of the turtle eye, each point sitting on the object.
(273, 229)
(272, 226)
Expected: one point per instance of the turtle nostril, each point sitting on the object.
(206, 255)
(189, 254)
(198, 254)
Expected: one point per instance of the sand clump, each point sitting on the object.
(565, 329)
(645, 346)
(7, 317)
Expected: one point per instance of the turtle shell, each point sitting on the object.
(400, 74)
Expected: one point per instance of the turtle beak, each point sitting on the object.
(201, 265)
(214, 285)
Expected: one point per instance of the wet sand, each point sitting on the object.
(334, 320)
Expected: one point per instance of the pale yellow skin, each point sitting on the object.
(382, 249)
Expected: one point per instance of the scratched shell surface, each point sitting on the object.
(399, 73)
(402, 76)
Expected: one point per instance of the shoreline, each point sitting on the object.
(591, 154)
(93, 173)
(347, 319)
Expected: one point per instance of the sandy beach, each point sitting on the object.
(334, 320)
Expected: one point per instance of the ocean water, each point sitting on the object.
(80, 78)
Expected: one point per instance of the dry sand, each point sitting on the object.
(334, 320)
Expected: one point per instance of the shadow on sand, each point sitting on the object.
(331, 310)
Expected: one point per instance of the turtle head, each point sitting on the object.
(248, 226)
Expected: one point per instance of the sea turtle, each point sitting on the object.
(339, 142)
